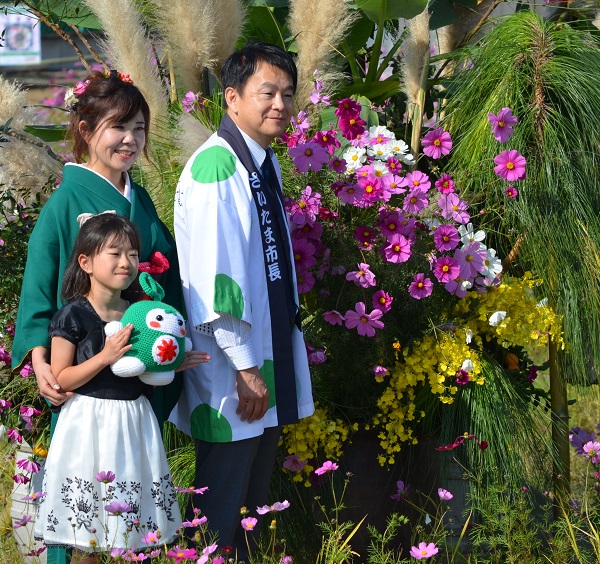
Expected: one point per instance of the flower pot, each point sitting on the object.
(24, 535)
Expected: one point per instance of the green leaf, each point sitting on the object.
(375, 91)
(48, 133)
(267, 25)
(394, 10)
(359, 33)
(76, 13)
(441, 13)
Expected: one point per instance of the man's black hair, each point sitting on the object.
(242, 64)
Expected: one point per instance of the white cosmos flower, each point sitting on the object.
(380, 131)
(354, 157)
(467, 365)
(497, 318)
(407, 159)
(397, 146)
(379, 151)
(469, 235)
(543, 302)
(468, 336)
(379, 168)
(493, 265)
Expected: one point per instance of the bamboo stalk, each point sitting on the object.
(561, 476)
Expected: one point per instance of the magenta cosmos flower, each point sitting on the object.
(365, 323)
(304, 254)
(423, 551)
(437, 143)
(309, 156)
(511, 191)
(502, 124)
(471, 259)
(415, 201)
(420, 287)
(362, 277)
(293, 463)
(510, 165)
(446, 237)
(418, 179)
(306, 209)
(454, 208)
(446, 269)
(333, 317)
(305, 281)
(397, 249)
(382, 300)
(181, 554)
(445, 184)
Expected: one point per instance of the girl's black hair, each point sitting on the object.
(93, 236)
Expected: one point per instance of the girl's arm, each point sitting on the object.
(46, 381)
(71, 377)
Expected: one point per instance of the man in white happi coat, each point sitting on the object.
(239, 285)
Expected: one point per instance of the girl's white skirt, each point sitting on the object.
(111, 436)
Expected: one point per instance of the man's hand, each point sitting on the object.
(49, 387)
(253, 395)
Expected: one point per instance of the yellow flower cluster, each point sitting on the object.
(508, 314)
(315, 437)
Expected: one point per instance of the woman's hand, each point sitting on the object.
(49, 387)
(193, 359)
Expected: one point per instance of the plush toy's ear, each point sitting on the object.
(151, 287)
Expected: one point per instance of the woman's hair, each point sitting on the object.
(93, 236)
(105, 97)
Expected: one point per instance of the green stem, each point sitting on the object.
(560, 434)
(389, 56)
(376, 49)
(354, 68)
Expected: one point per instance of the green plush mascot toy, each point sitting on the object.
(158, 338)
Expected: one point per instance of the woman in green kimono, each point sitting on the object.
(109, 126)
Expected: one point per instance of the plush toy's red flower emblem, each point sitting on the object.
(167, 350)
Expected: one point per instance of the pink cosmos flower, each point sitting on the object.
(397, 250)
(423, 551)
(293, 463)
(317, 356)
(105, 477)
(23, 521)
(454, 208)
(249, 523)
(191, 101)
(333, 317)
(437, 143)
(446, 237)
(502, 124)
(351, 194)
(445, 269)
(5, 356)
(181, 554)
(328, 466)
(445, 495)
(28, 465)
(300, 123)
(277, 506)
(304, 254)
(286, 560)
(117, 508)
(511, 192)
(34, 496)
(380, 371)
(458, 287)
(592, 451)
(382, 301)
(26, 371)
(309, 156)
(420, 287)
(14, 435)
(195, 522)
(394, 183)
(372, 186)
(365, 323)
(305, 281)
(471, 259)
(415, 201)
(510, 165)
(306, 209)
(362, 277)
(191, 490)
(151, 537)
(418, 179)
(445, 184)
(206, 552)
(327, 140)
(5, 404)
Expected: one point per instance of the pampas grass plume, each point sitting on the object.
(415, 49)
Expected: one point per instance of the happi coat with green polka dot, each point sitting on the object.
(222, 269)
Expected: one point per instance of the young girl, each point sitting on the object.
(106, 480)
